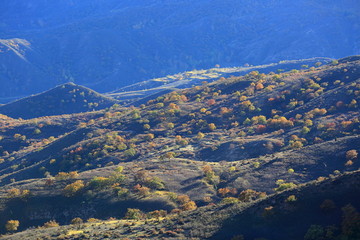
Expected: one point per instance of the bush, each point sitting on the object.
(37, 131)
(117, 178)
(134, 213)
(315, 232)
(100, 182)
(189, 206)
(212, 126)
(305, 130)
(223, 191)
(131, 152)
(168, 155)
(157, 214)
(183, 199)
(284, 186)
(210, 176)
(250, 195)
(349, 163)
(64, 175)
(170, 125)
(92, 220)
(15, 192)
(149, 136)
(51, 224)
(73, 188)
(291, 198)
(103, 182)
(77, 221)
(229, 200)
(122, 192)
(141, 190)
(351, 154)
(268, 211)
(119, 169)
(350, 224)
(12, 225)
(200, 135)
(155, 183)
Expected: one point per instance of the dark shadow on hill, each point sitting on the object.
(277, 218)
(64, 99)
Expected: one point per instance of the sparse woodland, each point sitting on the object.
(237, 158)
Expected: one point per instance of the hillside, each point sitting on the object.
(315, 203)
(110, 45)
(141, 92)
(242, 155)
(64, 99)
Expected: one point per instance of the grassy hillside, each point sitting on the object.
(237, 156)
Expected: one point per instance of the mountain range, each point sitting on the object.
(107, 45)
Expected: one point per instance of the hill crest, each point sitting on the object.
(64, 99)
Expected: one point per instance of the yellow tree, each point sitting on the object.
(12, 225)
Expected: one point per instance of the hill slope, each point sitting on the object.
(141, 92)
(229, 149)
(317, 207)
(64, 99)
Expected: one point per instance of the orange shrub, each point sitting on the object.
(351, 154)
(191, 205)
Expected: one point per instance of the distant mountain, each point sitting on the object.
(23, 69)
(110, 44)
(64, 99)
